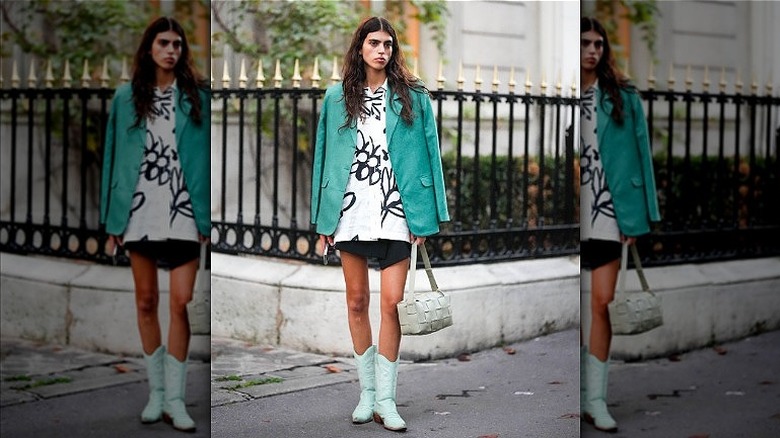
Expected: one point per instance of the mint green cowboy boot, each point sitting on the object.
(385, 412)
(367, 375)
(595, 408)
(155, 373)
(174, 411)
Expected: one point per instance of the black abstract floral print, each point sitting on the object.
(372, 207)
(162, 208)
(597, 211)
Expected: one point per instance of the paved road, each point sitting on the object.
(732, 390)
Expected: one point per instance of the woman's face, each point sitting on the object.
(166, 49)
(377, 50)
(591, 50)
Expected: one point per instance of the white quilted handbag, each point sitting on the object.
(421, 313)
(635, 312)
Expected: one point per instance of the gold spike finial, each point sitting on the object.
(670, 79)
(722, 84)
(512, 82)
(753, 85)
(461, 79)
(296, 77)
(706, 82)
(688, 79)
(225, 74)
(495, 82)
(315, 74)
(32, 78)
(558, 85)
(260, 78)
(104, 77)
(242, 79)
(651, 77)
(278, 74)
(573, 86)
(335, 76)
(15, 75)
(738, 85)
(477, 79)
(543, 84)
(528, 83)
(85, 75)
(440, 78)
(125, 77)
(49, 79)
(66, 78)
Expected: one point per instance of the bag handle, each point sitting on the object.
(413, 268)
(202, 261)
(637, 263)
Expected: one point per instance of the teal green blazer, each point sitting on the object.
(124, 150)
(414, 155)
(628, 163)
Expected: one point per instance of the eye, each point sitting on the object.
(177, 45)
(598, 44)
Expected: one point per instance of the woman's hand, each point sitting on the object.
(629, 240)
(113, 243)
(418, 240)
(324, 239)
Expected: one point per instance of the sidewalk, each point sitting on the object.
(729, 391)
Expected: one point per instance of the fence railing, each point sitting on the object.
(509, 171)
(510, 167)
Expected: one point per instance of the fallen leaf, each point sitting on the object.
(510, 350)
(332, 369)
(675, 358)
(464, 357)
(121, 368)
(555, 382)
(524, 393)
(570, 415)
(720, 350)
(441, 413)
(766, 382)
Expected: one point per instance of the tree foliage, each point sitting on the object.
(303, 30)
(641, 13)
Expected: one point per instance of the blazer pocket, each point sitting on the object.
(426, 180)
(637, 182)
(324, 182)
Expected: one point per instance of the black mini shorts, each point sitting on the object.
(169, 253)
(595, 253)
(386, 252)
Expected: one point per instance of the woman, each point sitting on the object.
(377, 186)
(618, 199)
(155, 200)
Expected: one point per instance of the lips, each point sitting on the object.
(381, 60)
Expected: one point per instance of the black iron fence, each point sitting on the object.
(511, 196)
(510, 166)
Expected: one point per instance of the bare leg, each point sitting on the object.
(182, 282)
(392, 290)
(147, 297)
(355, 270)
(603, 281)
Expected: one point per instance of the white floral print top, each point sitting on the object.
(597, 212)
(161, 207)
(372, 208)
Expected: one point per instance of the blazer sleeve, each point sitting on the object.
(434, 157)
(108, 161)
(318, 161)
(646, 155)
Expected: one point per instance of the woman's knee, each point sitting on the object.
(146, 300)
(357, 302)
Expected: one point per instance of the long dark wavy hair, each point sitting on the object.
(188, 80)
(611, 79)
(399, 78)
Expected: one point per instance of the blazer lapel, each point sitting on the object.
(393, 113)
(183, 106)
(604, 110)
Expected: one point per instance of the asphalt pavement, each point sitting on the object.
(526, 389)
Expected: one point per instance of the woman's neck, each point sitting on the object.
(587, 79)
(164, 79)
(375, 78)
